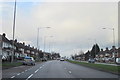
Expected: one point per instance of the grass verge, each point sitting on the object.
(108, 68)
(7, 65)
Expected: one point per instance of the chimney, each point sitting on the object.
(15, 40)
(101, 49)
(106, 48)
(113, 47)
(23, 43)
(28, 45)
(4, 34)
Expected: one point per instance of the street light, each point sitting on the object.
(45, 41)
(14, 21)
(38, 35)
(50, 45)
(113, 34)
(113, 38)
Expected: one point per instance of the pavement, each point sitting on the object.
(55, 69)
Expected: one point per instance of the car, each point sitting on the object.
(118, 61)
(29, 61)
(58, 58)
(4, 58)
(62, 60)
(44, 59)
(91, 60)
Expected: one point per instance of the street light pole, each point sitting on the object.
(50, 45)
(38, 35)
(113, 34)
(37, 38)
(45, 41)
(14, 20)
(113, 40)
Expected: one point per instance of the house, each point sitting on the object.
(19, 52)
(27, 50)
(7, 48)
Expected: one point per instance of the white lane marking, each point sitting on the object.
(36, 70)
(70, 72)
(25, 70)
(29, 76)
(64, 68)
(40, 67)
(12, 76)
(18, 74)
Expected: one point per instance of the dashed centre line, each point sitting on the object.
(70, 72)
(64, 68)
(22, 72)
(18, 74)
(36, 70)
(12, 76)
(40, 67)
(29, 76)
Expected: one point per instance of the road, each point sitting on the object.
(60, 69)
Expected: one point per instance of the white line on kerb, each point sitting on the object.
(12, 76)
(18, 74)
(70, 72)
(29, 76)
(36, 70)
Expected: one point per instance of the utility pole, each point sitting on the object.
(14, 20)
(38, 38)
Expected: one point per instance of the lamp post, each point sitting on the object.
(113, 40)
(45, 41)
(38, 35)
(14, 21)
(113, 34)
(50, 45)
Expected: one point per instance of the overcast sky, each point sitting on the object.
(75, 26)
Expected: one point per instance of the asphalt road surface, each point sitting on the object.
(60, 69)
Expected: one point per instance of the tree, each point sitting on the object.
(87, 55)
(95, 50)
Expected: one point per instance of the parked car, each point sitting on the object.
(58, 58)
(29, 61)
(118, 61)
(4, 58)
(91, 60)
(44, 59)
(62, 59)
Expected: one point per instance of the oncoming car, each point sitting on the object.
(62, 59)
(29, 61)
